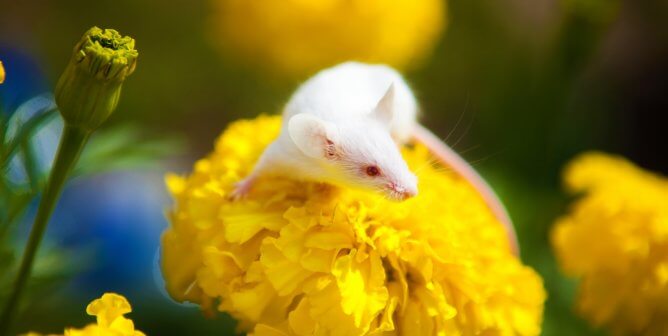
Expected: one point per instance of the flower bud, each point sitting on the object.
(2, 73)
(89, 89)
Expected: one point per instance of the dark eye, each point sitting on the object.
(372, 171)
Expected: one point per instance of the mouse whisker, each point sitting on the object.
(459, 120)
(432, 162)
(472, 148)
(468, 128)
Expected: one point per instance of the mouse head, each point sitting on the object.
(358, 152)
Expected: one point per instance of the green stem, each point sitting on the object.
(71, 145)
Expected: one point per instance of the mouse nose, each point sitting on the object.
(408, 193)
(403, 193)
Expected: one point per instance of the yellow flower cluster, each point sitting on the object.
(615, 239)
(297, 37)
(109, 310)
(299, 258)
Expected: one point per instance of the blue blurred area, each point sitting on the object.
(116, 219)
(24, 79)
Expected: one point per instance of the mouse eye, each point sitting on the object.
(372, 171)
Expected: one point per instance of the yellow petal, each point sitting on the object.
(361, 285)
(300, 320)
(108, 308)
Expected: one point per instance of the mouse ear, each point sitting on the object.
(312, 135)
(384, 110)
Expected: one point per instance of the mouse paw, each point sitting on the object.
(242, 188)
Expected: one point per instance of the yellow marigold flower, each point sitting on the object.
(615, 239)
(296, 37)
(299, 258)
(109, 310)
(2, 73)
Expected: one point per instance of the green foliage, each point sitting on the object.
(11, 144)
(122, 147)
(126, 147)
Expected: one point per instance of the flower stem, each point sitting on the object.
(71, 145)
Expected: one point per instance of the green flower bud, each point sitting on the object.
(89, 89)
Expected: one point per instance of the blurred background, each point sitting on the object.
(517, 86)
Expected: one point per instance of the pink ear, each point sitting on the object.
(314, 137)
(384, 110)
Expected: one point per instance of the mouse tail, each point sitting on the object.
(450, 158)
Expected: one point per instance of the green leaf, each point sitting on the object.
(126, 147)
(53, 267)
(13, 208)
(10, 146)
(3, 129)
(7, 260)
(35, 177)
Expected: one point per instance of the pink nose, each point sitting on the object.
(404, 193)
(408, 194)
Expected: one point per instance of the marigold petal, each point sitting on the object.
(108, 308)
(300, 320)
(283, 274)
(361, 285)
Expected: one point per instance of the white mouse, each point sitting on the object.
(345, 125)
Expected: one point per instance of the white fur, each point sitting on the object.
(359, 109)
(354, 89)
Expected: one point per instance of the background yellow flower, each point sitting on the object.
(296, 37)
(109, 310)
(615, 239)
(306, 259)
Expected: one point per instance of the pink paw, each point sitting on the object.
(242, 188)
